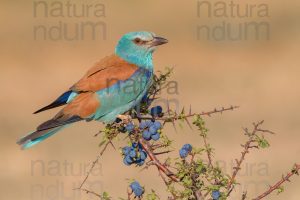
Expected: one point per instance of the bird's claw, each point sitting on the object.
(125, 118)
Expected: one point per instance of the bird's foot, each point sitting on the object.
(125, 118)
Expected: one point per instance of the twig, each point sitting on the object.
(158, 164)
(129, 192)
(196, 192)
(167, 183)
(163, 178)
(175, 116)
(197, 195)
(239, 163)
(91, 192)
(160, 153)
(244, 196)
(247, 146)
(208, 151)
(93, 165)
(277, 185)
(157, 146)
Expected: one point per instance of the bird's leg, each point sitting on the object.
(125, 118)
(138, 116)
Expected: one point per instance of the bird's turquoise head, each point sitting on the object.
(138, 47)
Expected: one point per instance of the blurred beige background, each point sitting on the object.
(261, 77)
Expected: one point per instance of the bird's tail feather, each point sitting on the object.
(31, 139)
(61, 100)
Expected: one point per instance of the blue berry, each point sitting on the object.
(132, 153)
(183, 153)
(156, 111)
(129, 127)
(127, 160)
(188, 147)
(215, 195)
(143, 155)
(146, 135)
(157, 125)
(137, 188)
(149, 123)
(134, 145)
(152, 130)
(126, 150)
(140, 162)
(140, 146)
(143, 125)
(155, 136)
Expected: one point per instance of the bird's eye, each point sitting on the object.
(138, 41)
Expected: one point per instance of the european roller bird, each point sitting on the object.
(110, 88)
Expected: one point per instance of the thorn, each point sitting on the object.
(112, 145)
(174, 126)
(168, 107)
(159, 153)
(187, 121)
(270, 186)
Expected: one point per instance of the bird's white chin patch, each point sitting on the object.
(152, 48)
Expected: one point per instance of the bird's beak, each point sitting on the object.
(158, 41)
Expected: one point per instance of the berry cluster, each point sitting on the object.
(150, 130)
(137, 189)
(185, 150)
(134, 154)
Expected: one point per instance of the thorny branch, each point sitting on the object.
(251, 143)
(208, 151)
(156, 162)
(91, 192)
(90, 171)
(294, 171)
(173, 116)
(93, 165)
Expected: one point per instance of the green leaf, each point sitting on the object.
(102, 143)
(105, 196)
(262, 142)
(152, 196)
(280, 190)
